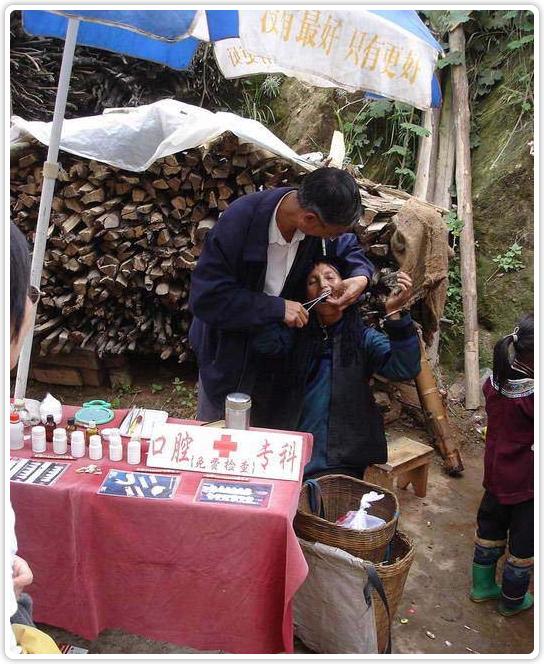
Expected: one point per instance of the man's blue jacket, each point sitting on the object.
(227, 299)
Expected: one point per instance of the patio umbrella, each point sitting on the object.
(354, 50)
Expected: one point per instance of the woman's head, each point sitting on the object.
(323, 275)
(518, 345)
(20, 305)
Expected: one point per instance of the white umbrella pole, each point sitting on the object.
(50, 170)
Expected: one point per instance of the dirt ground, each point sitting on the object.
(435, 600)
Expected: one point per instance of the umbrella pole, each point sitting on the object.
(50, 170)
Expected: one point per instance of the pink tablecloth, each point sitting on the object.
(212, 577)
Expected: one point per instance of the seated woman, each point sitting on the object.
(327, 366)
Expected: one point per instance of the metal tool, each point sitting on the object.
(311, 303)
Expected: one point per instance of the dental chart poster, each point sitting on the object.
(139, 485)
(39, 473)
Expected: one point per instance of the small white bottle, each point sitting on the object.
(77, 444)
(115, 448)
(60, 441)
(95, 448)
(39, 443)
(134, 451)
(16, 432)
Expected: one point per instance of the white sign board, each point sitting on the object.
(353, 50)
(227, 451)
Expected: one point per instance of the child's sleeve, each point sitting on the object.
(396, 354)
(274, 340)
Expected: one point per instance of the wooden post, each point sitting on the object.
(445, 161)
(425, 184)
(443, 180)
(463, 177)
(426, 158)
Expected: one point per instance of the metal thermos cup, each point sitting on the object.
(237, 411)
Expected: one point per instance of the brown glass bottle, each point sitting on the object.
(50, 426)
(70, 428)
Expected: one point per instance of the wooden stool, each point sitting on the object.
(408, 461)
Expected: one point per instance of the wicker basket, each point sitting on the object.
(393, 576)
(340, 494)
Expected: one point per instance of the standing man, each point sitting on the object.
(249, 270)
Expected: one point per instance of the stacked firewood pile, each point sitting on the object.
(122, 245)
(102, 80)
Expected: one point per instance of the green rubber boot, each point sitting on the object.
(526, 604)
(484, 586)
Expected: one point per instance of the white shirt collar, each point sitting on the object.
(274, 233)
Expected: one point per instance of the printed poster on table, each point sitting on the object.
(230, 492)
(38, 473)
(138, 485)
(272, 455)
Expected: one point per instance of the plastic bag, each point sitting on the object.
(359, 519)
(51, 406)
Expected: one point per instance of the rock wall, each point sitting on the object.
(503, 196)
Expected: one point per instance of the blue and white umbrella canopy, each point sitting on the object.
(383, 52)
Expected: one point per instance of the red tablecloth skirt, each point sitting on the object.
(211, 577)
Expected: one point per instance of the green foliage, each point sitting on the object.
(185, 395)
(256, 91)
(408, 172)
(510, 261)
(415, 129)
(398, 149)
(486, 79)
(443, 21)
(156, 387)
(518, 43)
(455, 226)
(383, 127)
(125, 388)
(453, 311)
(452, 58)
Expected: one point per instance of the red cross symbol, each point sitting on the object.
(225, 446)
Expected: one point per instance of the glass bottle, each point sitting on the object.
(70, 428)
(50, 426)
(91, 431)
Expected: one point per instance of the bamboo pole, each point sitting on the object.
(461, 113)
(436, 415)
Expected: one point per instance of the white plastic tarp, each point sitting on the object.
(133, 138)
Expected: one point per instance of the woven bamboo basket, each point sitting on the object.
(340, 494)
(393, 576)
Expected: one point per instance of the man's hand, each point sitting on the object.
(353, 287)
(400, 296)
(22, 575)
(295, 314)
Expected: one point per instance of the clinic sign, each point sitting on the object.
(265, 454)
(353, 50)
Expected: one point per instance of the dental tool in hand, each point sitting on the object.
(311, 303)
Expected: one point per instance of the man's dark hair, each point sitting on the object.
(332, 194)
(19, 279)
